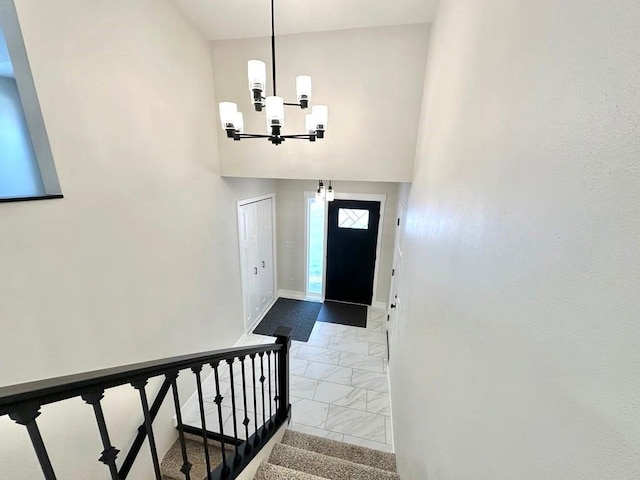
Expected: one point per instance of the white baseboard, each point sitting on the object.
(292, 294)
(390, 407)
(380, 305)
(255, 324)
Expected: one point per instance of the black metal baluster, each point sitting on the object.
(186, 466)
(110, 453)
(139, 385)
(130, 459)
(27, 417)
(218, 402)
(255, 397)
(275, 384)
(262, 379)
(207, 459)
(233, 408)
(246, 420)
(283, 337)
(269, 368)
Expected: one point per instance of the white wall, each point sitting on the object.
(404, 190)
(518, 354)
(290, 217)
(140, 259)
(370, 78)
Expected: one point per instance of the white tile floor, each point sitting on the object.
(339, 387)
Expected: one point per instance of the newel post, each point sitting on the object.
(283, 337)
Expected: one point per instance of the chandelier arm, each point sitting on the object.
(301, 136)
(252, 135)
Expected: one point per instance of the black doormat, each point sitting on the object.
(297, 314)
(343, 313)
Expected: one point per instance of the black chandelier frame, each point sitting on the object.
(276, 136)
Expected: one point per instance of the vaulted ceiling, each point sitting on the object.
(230, 19)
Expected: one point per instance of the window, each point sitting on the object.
(353, 218)
(26, 163)
(315, 246)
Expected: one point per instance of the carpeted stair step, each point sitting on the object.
(268, 471)
(345, 451)
(325, 466)
(172, 461)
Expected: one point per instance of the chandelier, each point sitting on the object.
(233, 122)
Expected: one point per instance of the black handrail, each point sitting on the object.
(53, 390)
(23, 402)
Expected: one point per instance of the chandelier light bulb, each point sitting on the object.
(239, 124)
(257, 70)
(303, 90)
(321, 115)
(228, 114)
(330, 194)
(275, 111)
(310, 123)
(319, 196)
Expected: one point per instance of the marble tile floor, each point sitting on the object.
(339, 386)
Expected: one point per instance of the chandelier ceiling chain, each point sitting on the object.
(233, 121)
(273, 48)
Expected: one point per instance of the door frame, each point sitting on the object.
(274, 253)
(365, 197)
(398, 254)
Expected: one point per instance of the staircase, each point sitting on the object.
(305, 457)
(298, 457)
(171, 466)
(258, 380)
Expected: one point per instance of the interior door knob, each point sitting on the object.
(393, 305)
(263, 264)
(255, 270)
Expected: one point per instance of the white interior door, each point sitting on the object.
(244, 260)
(255, 230)
(249, 258)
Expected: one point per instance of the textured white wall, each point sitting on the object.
(291, 220)
(518, 347)
(140, 259)
(404, 189)
(370, 78)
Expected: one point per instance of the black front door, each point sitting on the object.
(352, 237)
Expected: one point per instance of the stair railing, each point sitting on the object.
(271, 407)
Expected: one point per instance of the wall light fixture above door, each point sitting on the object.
(323, 193)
